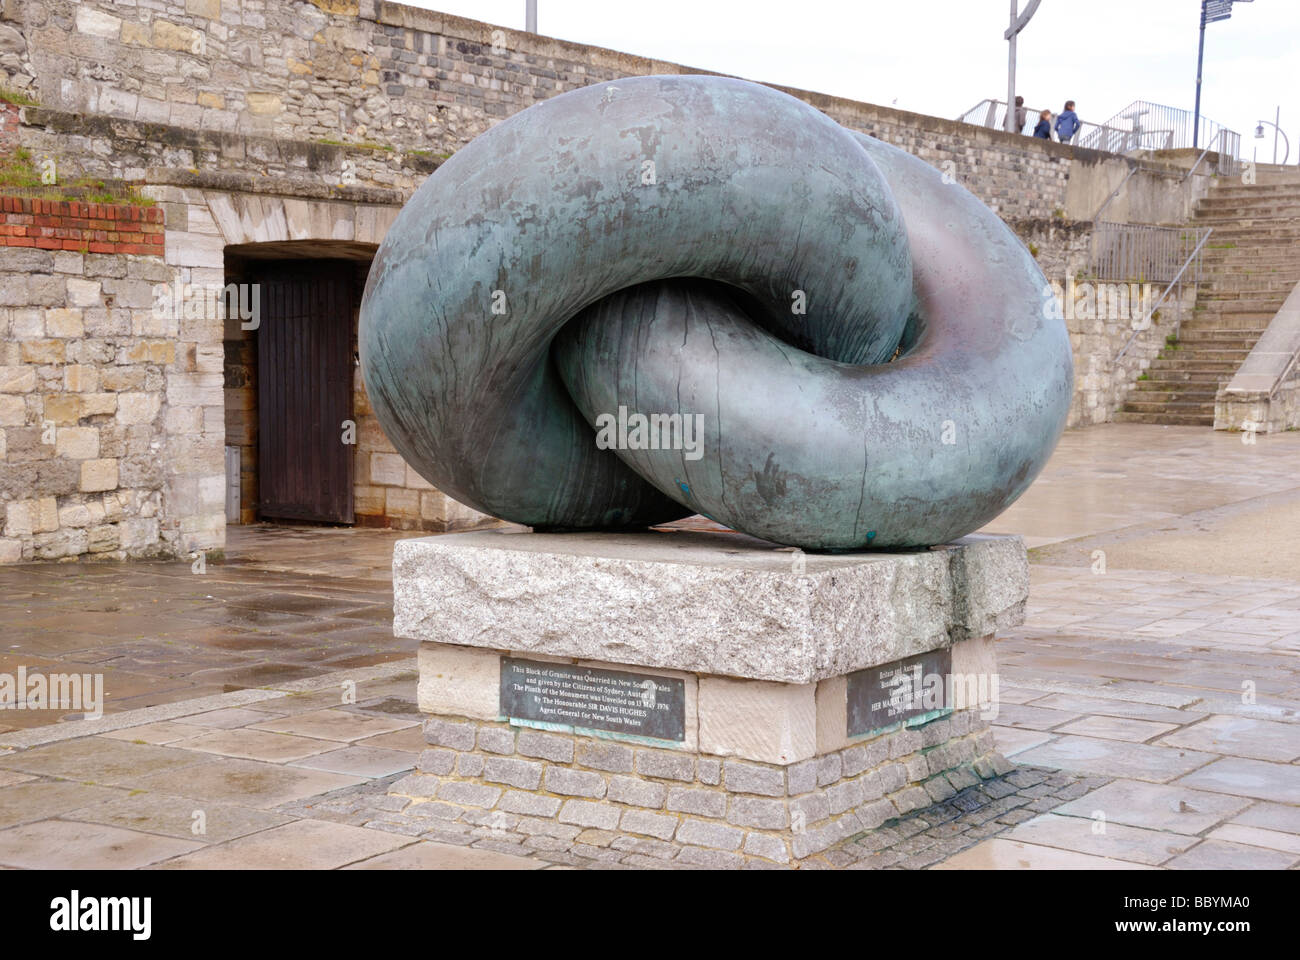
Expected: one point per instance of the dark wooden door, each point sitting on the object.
(304, 391)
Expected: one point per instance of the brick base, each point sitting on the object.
(604, 800)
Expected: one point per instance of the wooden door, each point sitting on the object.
(304, 391)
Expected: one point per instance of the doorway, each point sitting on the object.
(305, 465)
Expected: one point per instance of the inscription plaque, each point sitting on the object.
(894, 692)
(563, 693)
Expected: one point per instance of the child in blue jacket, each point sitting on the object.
(1067, 124)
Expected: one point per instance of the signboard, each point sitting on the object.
(636, 704)
(891, 693)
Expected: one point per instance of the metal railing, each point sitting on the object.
(1139, 126)
(1142, 253)
(992, 114)
(1227, 164)
(1142, 116)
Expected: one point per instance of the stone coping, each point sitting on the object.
(709, 603)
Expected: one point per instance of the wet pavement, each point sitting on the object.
(1158, 671)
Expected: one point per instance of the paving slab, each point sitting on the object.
(1076, 704)
(70, 845)
(300, 845)
(100, 760)
(1031, 717)
(1102, 839)
(1004, 854)
(1241, 737)
(38, 799)
(181, 817)
(233, 717)
(1116, 728)
(359, 761)
(338, 725)
(1012, 740)
(410, 739)
(1270, 816)
(257, 745)
(1258, 837)
(1156, 806)
(427, 855)
(247, 782)
(1220, 855)
(161, 733)
(1113, 758)
(1249, 778)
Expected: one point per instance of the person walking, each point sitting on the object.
(1067, 124)
(1044, 129)
(1022, 115)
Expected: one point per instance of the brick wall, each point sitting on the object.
(81, 227)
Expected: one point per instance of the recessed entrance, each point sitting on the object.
(304, 389)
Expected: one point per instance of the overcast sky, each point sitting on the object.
(941, 57)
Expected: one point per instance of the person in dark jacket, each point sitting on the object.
(1067, 124)
(1044, 129)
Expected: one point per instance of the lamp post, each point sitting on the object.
(1259, 135)
(530, 16)
(1018, 23)
(1211, 11)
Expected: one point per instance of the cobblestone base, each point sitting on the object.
(920, 839)
(576, 799)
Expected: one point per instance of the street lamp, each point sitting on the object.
(1211, 12)
(530, 16)
(1018, 23)
(1259, 135)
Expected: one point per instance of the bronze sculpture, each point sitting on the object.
(864, 353)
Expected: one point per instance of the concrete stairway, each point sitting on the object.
(1249, 266)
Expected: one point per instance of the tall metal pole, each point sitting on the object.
(1200, 58)
(1010, 124)
(1018, 23)
(530, 16)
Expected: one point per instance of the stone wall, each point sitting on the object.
(101, 425)
(416, 82)
(1097, 335)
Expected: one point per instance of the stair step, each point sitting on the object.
(1195, 368)
(1166, 419)
(1176, 407)
(1148, 396)
(1190, 333)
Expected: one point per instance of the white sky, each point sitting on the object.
(941, 57)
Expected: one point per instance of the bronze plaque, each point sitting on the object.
(636, 704)
(892, 693)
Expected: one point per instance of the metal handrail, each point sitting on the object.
(1177, 277)
(1208, 147)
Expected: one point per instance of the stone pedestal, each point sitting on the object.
(689, 698)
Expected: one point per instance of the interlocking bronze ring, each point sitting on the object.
(866, 351)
